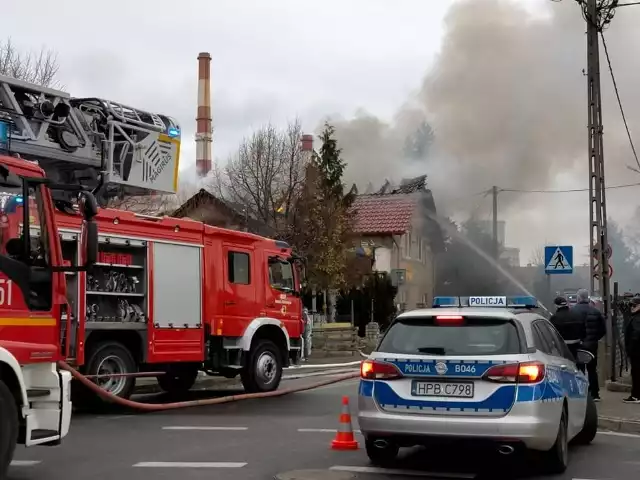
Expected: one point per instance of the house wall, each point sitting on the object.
(413, 253)
(416, 257)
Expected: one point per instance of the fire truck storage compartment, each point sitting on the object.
(177, 286)
(116, 288)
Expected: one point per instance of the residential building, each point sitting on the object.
(207, 208)
(397, 225)
(510, 256)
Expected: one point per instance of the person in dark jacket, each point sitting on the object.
(569, 325)
(632, 346)
(595, 329)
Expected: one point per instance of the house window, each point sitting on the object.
(239, 266)
(407, 245)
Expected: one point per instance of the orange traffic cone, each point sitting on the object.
(344, 438)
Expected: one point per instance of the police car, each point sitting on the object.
(488, 371)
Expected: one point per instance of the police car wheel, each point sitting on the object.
(381, 453)
(8, 428)
(590, 427)
(557, 458)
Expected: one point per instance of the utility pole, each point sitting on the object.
(598, 242)
(496, 248)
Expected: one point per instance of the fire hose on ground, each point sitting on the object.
(149, 407)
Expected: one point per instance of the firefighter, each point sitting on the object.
(307, 325)
(632, 347)
(595, 329)
(568, 324)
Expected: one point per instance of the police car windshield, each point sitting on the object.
(474, 336)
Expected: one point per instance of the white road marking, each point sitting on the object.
(406, 473)
(616, 434)
(189, 465)
(206, 428)
(25, 463)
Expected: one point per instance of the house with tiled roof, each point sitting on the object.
(208, 208)
(396, 225)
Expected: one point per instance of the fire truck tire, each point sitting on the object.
(113, 357)
(8, 428)
(263, 370)
(178, 381)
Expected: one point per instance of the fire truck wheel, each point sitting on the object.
(178, 381)
(8, 428)
(113, 358)
(263, 370)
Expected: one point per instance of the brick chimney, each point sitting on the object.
(203, 118)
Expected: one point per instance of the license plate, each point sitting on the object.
(442, 389)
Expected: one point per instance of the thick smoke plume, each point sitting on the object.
(506, 99)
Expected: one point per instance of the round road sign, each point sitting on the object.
(596, 251)
(596, 275)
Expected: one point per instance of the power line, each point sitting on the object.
(615, 87)
(571, 190)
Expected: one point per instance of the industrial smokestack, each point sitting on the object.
(307, 142)
(203, 119)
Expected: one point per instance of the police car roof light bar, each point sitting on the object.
(520, 301)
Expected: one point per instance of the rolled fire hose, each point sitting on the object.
(150, 407)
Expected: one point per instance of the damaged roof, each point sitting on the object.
(390, 211)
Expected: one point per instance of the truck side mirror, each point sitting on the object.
(89, 242)
(88, 205)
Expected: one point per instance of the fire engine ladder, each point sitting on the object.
(66, 134)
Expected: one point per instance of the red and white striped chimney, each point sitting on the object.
(203, 119)
(307, 142)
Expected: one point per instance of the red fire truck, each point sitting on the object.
(35, 403)
(166, 295)
(178, 297)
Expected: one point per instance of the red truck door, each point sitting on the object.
(35, 328)
(281, 301)
(241, 281)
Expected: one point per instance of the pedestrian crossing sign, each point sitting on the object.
(558, 259)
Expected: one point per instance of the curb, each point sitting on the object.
(316, 475)
(207, 383)
(622, 425)
(619, 387)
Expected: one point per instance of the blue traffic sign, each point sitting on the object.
(558, 259)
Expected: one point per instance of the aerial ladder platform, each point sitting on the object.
(107, 146)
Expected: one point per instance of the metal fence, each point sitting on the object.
(620, 314)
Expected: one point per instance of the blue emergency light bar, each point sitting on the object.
(492, 301)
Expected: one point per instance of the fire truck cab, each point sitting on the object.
(177, 297)
(35, 403)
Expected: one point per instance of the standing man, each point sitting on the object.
(307, 325)
(595, 329)
(632, 346)
(569, 325)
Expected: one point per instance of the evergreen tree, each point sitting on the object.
(329, 218)
(330, 165)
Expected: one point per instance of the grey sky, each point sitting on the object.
(278, 59)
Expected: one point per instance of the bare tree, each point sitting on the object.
(537, 257)
(265, 176)
(159, 204)
(40, 68)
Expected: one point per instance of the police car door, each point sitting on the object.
(562, 373)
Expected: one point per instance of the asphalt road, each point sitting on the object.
(258, 439)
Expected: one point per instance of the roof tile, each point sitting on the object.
(383, 214)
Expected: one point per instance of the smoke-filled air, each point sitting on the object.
(503, 103)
